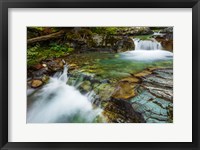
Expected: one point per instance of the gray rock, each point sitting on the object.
(155, 97)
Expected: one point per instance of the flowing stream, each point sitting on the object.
(147, 50)
(59, 102)
(147, 44)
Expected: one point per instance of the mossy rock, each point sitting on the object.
(125, 90)
(86, 86)
(143, 73)
(118, 111)
(104, 91)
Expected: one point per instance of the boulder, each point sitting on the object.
(167, 30)
(124, 44)
(36, 83)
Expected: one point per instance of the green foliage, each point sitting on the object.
(104, 30)
(38, 28)
(58, 47)
(37, 53)
(32, 54)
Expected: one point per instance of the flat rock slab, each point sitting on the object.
(155, 97)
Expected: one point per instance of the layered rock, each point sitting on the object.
(155, 97)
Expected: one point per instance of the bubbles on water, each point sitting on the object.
(147, 50)
(146, 55)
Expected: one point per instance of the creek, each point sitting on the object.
(61, 102)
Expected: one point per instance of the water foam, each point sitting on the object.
(59, 102)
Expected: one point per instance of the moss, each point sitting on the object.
(143, 37)
(38, 53)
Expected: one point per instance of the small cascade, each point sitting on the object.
(158, 34)
(147, 51)
(147, 44)
(59, 102)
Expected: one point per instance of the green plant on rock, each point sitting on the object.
(104, 30)
(32, 54)
(58, 47)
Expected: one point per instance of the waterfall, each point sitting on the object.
(147, 51)
(59, 102)
(147, 44)
(158, 34)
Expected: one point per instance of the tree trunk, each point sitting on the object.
(46, 37)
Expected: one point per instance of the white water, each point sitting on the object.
(59, 102)
(158, 33)
(147, 50)
(147, 44)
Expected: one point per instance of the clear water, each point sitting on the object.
(57, 102)
(117, 66)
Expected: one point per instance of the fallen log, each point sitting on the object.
(46, 37)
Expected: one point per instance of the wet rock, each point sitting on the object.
(86, 86)
(155, 96)
(167, 30)
(36, 83)
(39, 73)
(158, 81)
(142, 74)
(160, 92)
(118, 111)
(130, 80)
(151, 107)
(124, 44)
(105, 81)
(45, 78)
(104, 91)
(72, 66)
(54, 65)
(166, 39)
(125, 89)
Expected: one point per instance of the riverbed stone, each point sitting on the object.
(36, 83)
(104, 91)
(119, 111)
(155, 96)
(86, 86)
(142, 74)
(124, 90)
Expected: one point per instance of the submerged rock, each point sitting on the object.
(119, 111)
(142, 74)
(104, 91)
(125, 88)
(86, 86)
